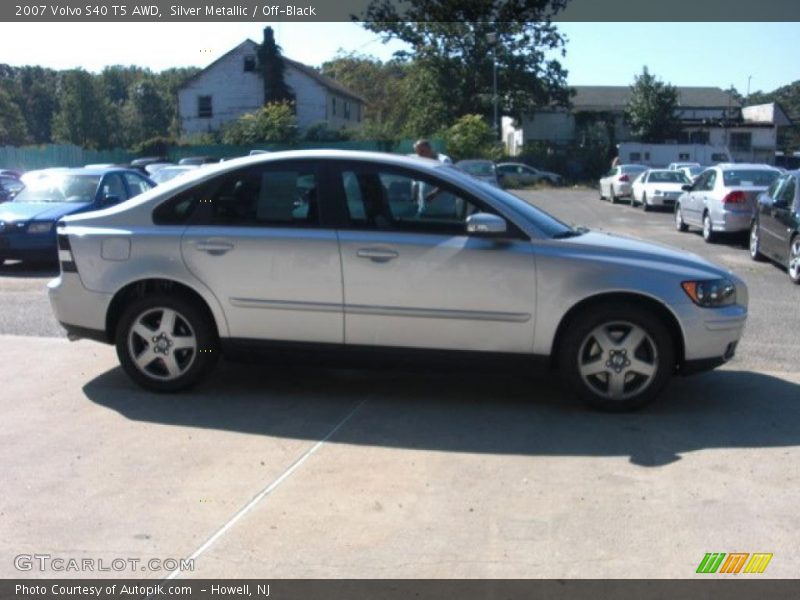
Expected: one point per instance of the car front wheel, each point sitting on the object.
(794, 260)
(708, 229)
(680, 225)
(166, 343)
(617, 357)
(645, 206)
(755, 242)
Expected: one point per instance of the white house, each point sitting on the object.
(708, 115)
(232, 86)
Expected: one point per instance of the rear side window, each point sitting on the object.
(178, 209)
(257, 197)
(749, 177)
(137, 185)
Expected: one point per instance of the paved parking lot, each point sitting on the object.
(306, 472)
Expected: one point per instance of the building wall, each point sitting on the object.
(233, 92)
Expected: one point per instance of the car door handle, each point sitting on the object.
(379, 255)
(213, 247)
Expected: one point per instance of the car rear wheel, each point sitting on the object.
(612, 196)
(755, 243)
(680, 225)
(794, 260)
(708, 229)
(166, 343)
(617, 357)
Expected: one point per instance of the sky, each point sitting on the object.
(683, 54)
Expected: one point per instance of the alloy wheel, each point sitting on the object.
(794, 260)
(618, 360)
(162, 343)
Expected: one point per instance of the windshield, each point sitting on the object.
(479, 168)
(667, 177)
(749, 177)
(61, 187)
(168, 173)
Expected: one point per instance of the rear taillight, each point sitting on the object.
(736, 197)
(624, 178)
(65, 254)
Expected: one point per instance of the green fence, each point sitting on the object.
(66, 155)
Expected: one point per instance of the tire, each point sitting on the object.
(628, 375)
(645, 206)
(755, 243)
(794, 260)
(611, 195)
(679, 223)
(168, 369)
(708, 230)
(601, 193)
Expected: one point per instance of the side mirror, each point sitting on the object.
(686, 188)
(486, 225)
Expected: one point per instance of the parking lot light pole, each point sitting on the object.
(492, 39)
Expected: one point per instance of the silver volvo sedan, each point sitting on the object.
(390, 257)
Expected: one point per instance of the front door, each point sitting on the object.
(413, 278)
(259, 243)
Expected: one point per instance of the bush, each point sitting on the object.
(471, 137)
(319, 132)
(156, 146)
(275, 122)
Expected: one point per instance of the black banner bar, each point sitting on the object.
(345, 10)
(737, 588)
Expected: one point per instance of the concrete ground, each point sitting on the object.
(314, 473)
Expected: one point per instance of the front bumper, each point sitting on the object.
(21, 245)
(711, 335)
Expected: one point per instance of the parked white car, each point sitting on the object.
(723, 199)
(679, 165)
(658, 187)
(617, 182)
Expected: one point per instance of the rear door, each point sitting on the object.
(783, 222)
(259, 242)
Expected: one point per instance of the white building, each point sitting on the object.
(708, 116)
(232, 86)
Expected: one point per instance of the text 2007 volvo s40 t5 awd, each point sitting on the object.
(401, 257)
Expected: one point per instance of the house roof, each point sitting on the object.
(766, 114)
(327, 82)
(616, 97)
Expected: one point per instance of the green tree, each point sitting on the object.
(651, 113)
(274, 122)
(13, 130)
(456, 43)
(471, 137)
(82, 116)
(273, 70)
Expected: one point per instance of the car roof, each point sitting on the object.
(745, 166)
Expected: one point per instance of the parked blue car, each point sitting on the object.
(28, 222)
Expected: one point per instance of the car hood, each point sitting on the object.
(41, 211)
(614, 246)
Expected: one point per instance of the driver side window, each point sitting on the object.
(786, 194)
(392, 201)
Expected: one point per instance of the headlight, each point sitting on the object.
(711, 294)
(40, 227)
(657, 193)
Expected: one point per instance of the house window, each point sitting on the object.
(741, 141)
(333, 107)
(683, 156)
(249, 63)
(347, 110)
(204, 108)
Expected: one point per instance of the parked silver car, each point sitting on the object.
(618, 182)
(723, 198)
(333, 250)
(527, 175)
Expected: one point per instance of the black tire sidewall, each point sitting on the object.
(204, 330)
(568, 354)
